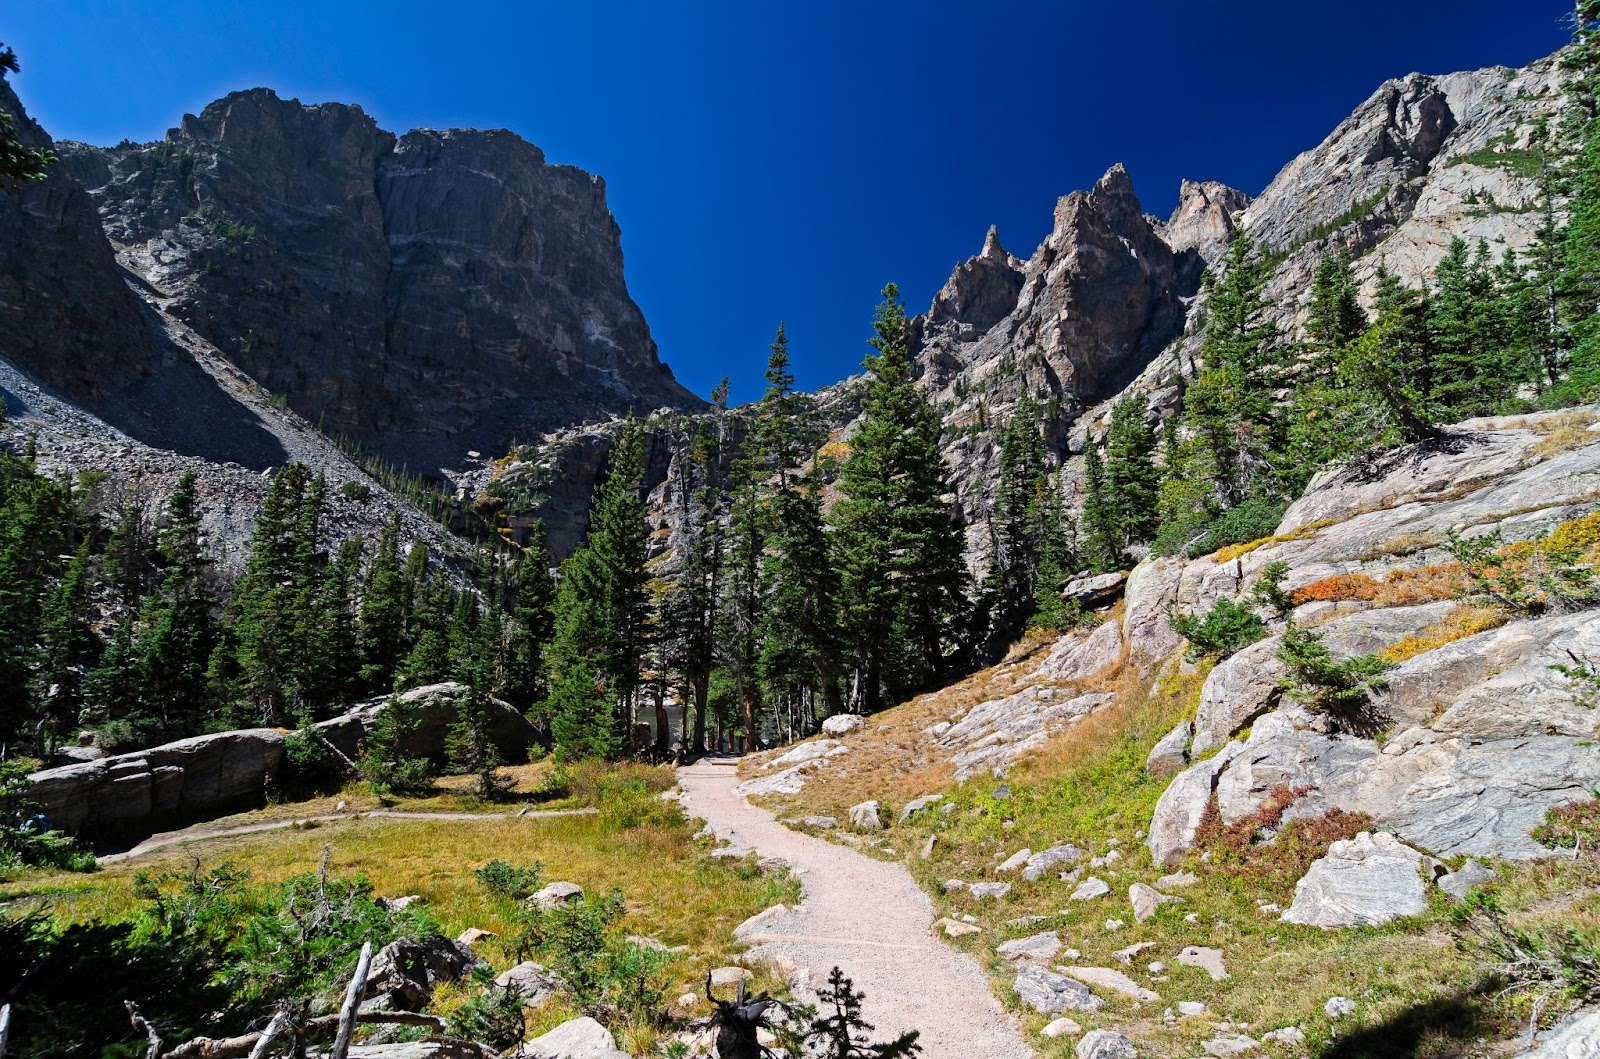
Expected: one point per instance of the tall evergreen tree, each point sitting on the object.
(383, 611)
(1579, 280)
(602, 613)
(1102, 533)
(689, 610)
(1335, 317)
(1017, 524)
(531, 625)
(179, 621)
(1131, 478)
(903, 580)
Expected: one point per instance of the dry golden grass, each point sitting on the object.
(1465, 620)
(1561, 432)
(1229, 553)
(673, 890)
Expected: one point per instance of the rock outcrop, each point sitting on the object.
(65, 311)
(208, 775)
(328, 258)
(187, 780)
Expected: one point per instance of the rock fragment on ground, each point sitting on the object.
(1104, 1044)
(1146, 899)
(1114, 980)
(842, 724)
(1207, 960)
(1047, 992)
(1171, 753)
(1471, 875)
(989, 891)
(1369, 880)
(1062, 1027)
(1038, 947)
(1337, 1007)
(1064, 855)
(581, 1038)
(1090, 889)
(865, 816)
(1228, 1045)
(557, 893)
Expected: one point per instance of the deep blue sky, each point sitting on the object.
(776, 161)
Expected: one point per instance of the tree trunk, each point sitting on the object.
(702, 692)
(352, 1001)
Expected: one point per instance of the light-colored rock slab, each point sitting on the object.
(1365, 881)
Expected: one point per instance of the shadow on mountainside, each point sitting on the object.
(1377, 463)
(1441, 1028)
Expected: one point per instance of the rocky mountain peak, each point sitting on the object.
(326, 258)
(1204, 218)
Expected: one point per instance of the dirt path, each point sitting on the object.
(871, 919)
(206, 833)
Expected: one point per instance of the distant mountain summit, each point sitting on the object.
(428, 295)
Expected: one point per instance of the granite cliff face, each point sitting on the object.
(427, 295)
(65, 312)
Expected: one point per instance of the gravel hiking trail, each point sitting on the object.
(871, 919)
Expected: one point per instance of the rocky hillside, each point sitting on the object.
(1109, 300)
(1249, 820)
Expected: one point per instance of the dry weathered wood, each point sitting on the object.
(5, 1028)
(279, 1023)
(351, 765)
(215, 1047)
(352, 1000)
(254, 1045)
(145, 1028)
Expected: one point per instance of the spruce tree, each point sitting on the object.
(1017, 519)
(1473, 371)
(1102, 534)
(1579, 278)
(179, 621)
(1335, 317)
(602, 613)
(689, 610)
(383, 612)
(523, 681)
(66, 647)
(903, 580)
(1131, 478)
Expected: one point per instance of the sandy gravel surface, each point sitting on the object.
(870, 918)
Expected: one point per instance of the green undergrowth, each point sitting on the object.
(637, 846)
(1424, 989)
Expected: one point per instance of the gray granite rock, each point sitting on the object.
(1047, 992)
(1365, 881)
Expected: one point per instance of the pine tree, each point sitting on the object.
(1579, 279)
(1230, 407)
(383, 611)
(739, 617)
(270, 598)
(35, 515)
(1472, 371)
(1335, 317)
(903, 580)
(66, 647)
(1016, 525)
(523, 681)
(1131, 478)
(689, 610)
(602, 614)
(1102, 535)
(179, 622)
(429, 660)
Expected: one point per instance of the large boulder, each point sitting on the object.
(1576, 1037)
(842, 724)
(1238, 691)
(1183, 804)
(1368, 880)
(191, 779)
(581, 1038)
(1075, 658)
(405, 971)
(432, 709)
(1171, 752)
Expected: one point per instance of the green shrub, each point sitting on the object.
(1227, 627)
(493, 1017)
(510, 882)
(308, 766)
(357, 491)
(1559, 969)
(26, 838)
(1324, 683)
(1575, 826)
(1255, 518)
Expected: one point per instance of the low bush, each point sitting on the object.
(509, 882)
(1226, 628)
(26, 838)
(1575, 827)
(1324, 683)
(1255, 520)
(1266, 851)
(1556, 969)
